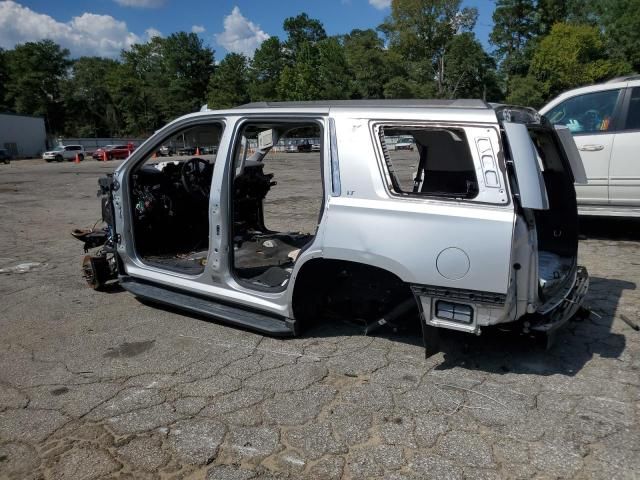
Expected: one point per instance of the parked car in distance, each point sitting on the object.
(477, 227)
(208, 150)
(186, 151)
(315, 147)
(404, 143)
(605, 122)
(5, 156)
(291, 148)
(113, 152)
(64, 152)
(305, 146)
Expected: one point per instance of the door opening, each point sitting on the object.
(275, 216)
(170, 198)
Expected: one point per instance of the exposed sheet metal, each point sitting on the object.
(533, 193)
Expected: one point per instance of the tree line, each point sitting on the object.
(424, 49)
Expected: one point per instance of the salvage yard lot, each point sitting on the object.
(98, 384)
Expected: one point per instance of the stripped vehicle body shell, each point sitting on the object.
(485, 241)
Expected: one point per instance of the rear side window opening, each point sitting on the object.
(429, 161)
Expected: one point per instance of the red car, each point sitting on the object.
(113, 151)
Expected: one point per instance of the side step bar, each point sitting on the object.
(263, 323)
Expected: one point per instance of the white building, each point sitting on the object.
(22, 135)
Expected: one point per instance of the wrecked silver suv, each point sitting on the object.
(475, 226)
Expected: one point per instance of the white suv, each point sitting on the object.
(605, 122)
(64, 152)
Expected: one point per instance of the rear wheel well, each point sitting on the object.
(339, 288)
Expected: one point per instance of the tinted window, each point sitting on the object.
(633, 116)
(589, 113)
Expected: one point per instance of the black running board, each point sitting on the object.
(263, 323)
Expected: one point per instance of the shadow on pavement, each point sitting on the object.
(501, 351)
(577, 342)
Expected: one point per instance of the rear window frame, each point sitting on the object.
(501, 200)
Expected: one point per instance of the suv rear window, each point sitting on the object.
(438, 163)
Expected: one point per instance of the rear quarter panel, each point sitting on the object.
(406, 235)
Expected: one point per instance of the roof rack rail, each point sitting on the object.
(624, 78)
(382, 103)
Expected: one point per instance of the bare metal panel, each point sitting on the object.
(533, 193)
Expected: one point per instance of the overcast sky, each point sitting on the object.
(105, 27)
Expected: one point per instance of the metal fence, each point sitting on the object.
(94, 143)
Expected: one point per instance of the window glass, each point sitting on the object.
(429, 161)
(633, 116)
(589, 113)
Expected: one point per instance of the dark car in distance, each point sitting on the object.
(5, 156)
(305, 146)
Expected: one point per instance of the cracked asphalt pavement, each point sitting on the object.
(99, 385)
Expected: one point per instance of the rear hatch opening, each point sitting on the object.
(556, 227)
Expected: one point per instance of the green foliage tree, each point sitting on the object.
(513, 27)
(470, 71)
(299, 81)
(302, 29)
(188, 65)
(550, 12)
(573, 55)
(420, 30)
(334, 78)
(526, 90)
(140, 86)
(36, 72)
(399, 87)
(320, 71)
(621, 22)
(542, 46)
(160, 80)
(372, 65)
(265, 69)
(87, 97)
(229, 83)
